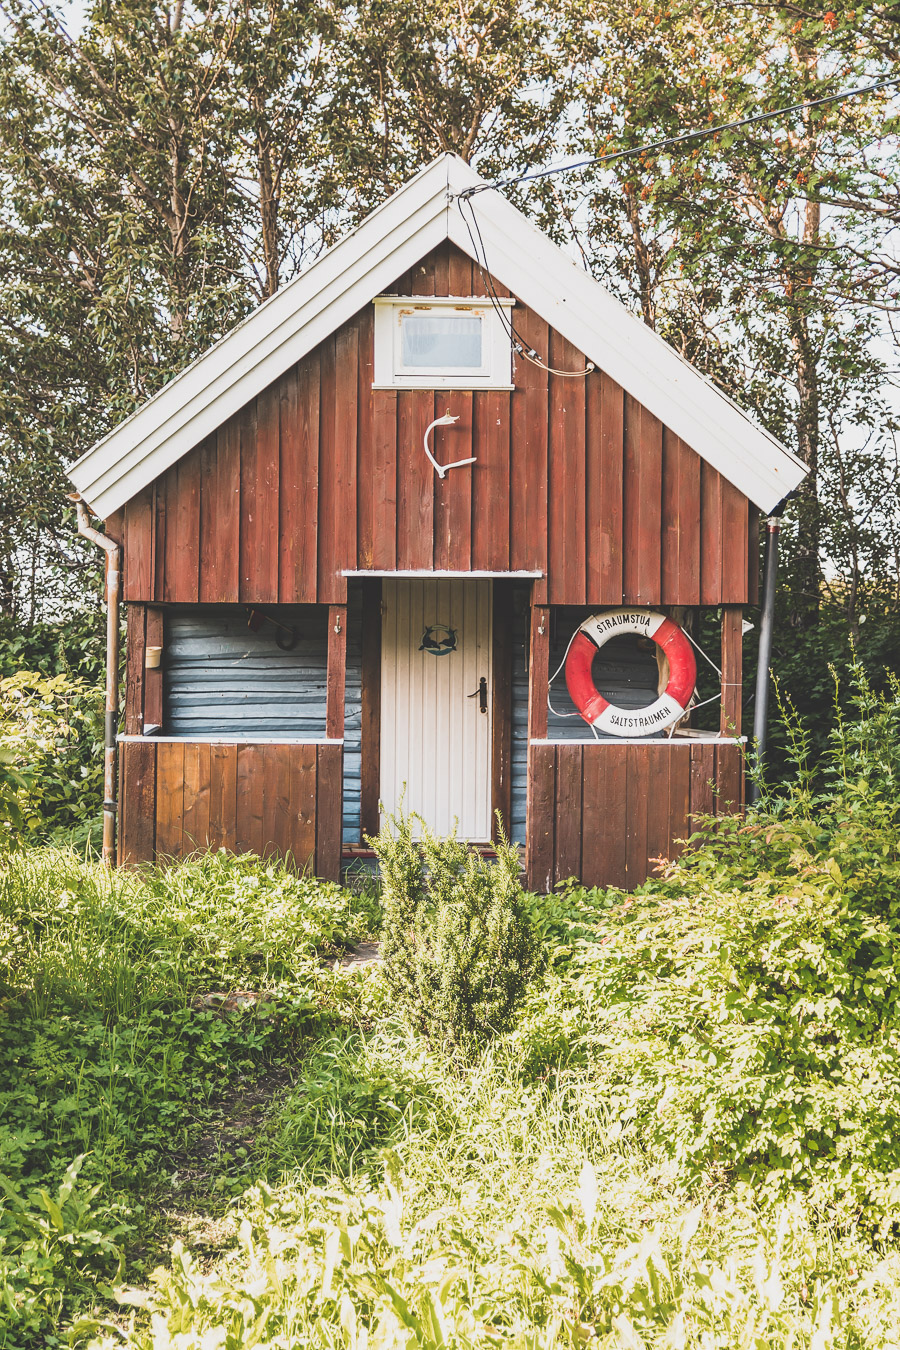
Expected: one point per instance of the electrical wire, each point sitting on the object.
(700, 133)
(517, 342)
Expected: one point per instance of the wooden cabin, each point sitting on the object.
(322, 619)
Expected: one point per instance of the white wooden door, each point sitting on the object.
(435, 739)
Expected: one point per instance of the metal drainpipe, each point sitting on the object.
(113, 587)
(766, 634)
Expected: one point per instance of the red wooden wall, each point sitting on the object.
(602, 813)
(321, 473)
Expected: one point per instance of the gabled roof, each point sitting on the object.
(417, 218)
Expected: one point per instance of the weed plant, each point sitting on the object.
(686, 1137)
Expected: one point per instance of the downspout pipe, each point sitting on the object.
(113, 596)
(766, 635)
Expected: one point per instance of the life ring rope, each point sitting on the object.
(670, 706)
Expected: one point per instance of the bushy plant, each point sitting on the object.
(51, 757)
(457, 943)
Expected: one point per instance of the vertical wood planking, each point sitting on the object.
(415, 480)
(371, 707)
(710, 535)
(226, 587)
(169, 799)
(613, 809)
(567, 477)
(344, 459)
(703, 772)
(453, 494)
(328, 506)
(680, 523)
(138, 552)
(642, 505)
(604, 413)
(266, 531)
(529, 449)
(540, 843)
(365, 427)
(637, 784)
(538, 672)
(732, 670)
(210, 547)
(569, 777)
(384, 479)
(153, 679)
(251, 538)
(138, 842)
(135, 643)
(729, 778)
(195, 824)
(679, 798)
(282, 821)
(305, 511)
(490, 480)
(658, 759)
(329, 760)
(734, 545)
(222, 795)
(337, 671)
(303, 806)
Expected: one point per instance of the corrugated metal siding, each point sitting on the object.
(220, 678)
(626, 675)
(353, 719)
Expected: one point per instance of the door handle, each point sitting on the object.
(481, 694)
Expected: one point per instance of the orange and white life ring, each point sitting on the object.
(672, 703)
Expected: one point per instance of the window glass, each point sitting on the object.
(431, 341)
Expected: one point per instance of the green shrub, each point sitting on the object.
(457, 944)
(51, 758)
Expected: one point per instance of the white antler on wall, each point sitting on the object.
(442, 469)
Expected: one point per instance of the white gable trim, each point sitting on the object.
(416, 219)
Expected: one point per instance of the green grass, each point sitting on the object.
(689, 1137)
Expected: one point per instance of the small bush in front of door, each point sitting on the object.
(457, 944)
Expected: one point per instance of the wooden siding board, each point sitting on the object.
(251, 538)
(306, 512)
(453, 495)
(680, 523)
(169, 799)
(346, 355)
(569, 777)
(613, 808)
(384, 479)
(282, 823)
(138, 841)
(195, 826)
(703, 770)
(137, 579)
(604, 411)
(642, 505)
(415, 481)
(490, 480)
(540, 844)
(222, 795)
(538, 671)
(679, 799)
(337, 671)
(659, 822)
(734, 545)
(303, 806)
(135, 655)
(226, 586)
(365, 431)
(729, 778)
(529, 449)
(328, 808)
(710, 536)
(268, 449)
(567, 477)
(732, 673)
(328, 505)
(637, 789)
(153, 679)
(207, 581)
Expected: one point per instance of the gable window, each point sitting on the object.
(441, 343)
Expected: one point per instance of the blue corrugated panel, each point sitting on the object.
(222, 678)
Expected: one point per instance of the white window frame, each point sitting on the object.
(389, 373)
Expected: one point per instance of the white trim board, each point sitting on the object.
(226, 740)
(427, 575)
(417, 218)
(711, 739)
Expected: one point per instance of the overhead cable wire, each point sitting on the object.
(699, 133)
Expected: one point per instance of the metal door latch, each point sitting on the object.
(481, 694)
